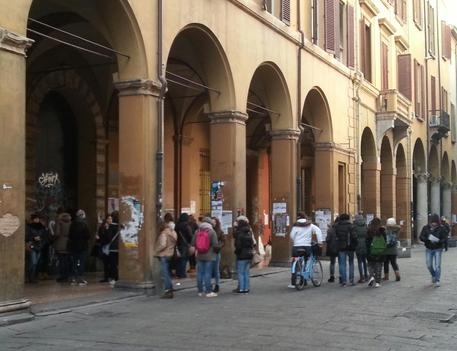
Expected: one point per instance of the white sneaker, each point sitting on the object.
(377, 285)
(437, 284)
(211, 294)
(290, 286)
(82, 283)
(200, 294)
(371, 281)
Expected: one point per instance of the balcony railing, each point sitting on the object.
(439, 119)
(391, 101)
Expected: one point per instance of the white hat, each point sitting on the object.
(391, 221)
(81, 214)
(242, 218)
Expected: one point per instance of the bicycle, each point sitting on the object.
(304, 270)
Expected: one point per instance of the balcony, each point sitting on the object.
(439, 123)
(393, 112)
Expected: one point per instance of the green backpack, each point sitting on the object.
(378, 245)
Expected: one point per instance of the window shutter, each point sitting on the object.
(336, 27)
(446, 40)
(404, 75)
(384, 66)
(433, 93)
(351, 48)
(417, 89)
(330, 16)
(285, 11)
(422, 87)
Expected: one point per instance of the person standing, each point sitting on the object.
(78, 246)
(184, 239)
(360, 227)
(165, 247)
(332, 249)
(434, 237)
(390, 255)
(244, 247)
(61, 232)
(204, 241)
(347, 242)
(216, 275)
(376, 245)
(35, 234)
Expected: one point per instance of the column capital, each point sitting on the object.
(446, 185)
(13, 42)
(435, 180)
(421, 177)
(285, 134)
(138, 87)
(230, 116)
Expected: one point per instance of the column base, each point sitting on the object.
(148, 287)
(15, 311)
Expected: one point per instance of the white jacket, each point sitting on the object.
(301, 235)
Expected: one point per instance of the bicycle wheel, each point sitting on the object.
(299, 281)
(318, 274)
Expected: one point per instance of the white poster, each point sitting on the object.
(323, 219)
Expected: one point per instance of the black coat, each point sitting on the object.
(78, 236)
(244, 244)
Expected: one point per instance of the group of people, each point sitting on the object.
(64, 242)
(205, 240)
(374, 245)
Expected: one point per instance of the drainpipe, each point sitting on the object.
(299, 182)
(160, 110)
(427, 125)
(357, 82)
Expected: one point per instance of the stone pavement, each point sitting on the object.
(405, 315)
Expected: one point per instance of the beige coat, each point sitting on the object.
(166, 243)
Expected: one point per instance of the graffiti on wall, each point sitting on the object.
(131, 228)
(50, 193)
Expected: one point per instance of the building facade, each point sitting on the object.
(284, 105)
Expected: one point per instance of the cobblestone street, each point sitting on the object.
(405, 315)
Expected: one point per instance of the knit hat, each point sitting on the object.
(434, 218)
(242, 219)
(207, 220)
(391, 221)
(81, 214)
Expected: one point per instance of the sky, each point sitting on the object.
(449, 13)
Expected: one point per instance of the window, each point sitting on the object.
(419, 105)
(332, 27)
(384, 66)
(417, 13)
(280, 9)
(431, 29)
(404, 75)
(444, 100)
(365, 49)
(433, 93)
(314, 21)
(401, 10)
(446, 40)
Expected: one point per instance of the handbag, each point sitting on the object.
(256, 259)
(106, 247)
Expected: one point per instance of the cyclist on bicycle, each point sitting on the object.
(305, 236)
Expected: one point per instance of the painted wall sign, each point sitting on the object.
(130, 229)
(9, 224)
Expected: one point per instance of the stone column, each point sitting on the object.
(138, 125)
(283, 186)
(387, 193)
(228, 164)
(12, 170)
(454, 204)
(447, 198)
(435, 198)
(421, 203)
(371, 189)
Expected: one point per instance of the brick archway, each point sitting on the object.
(71, 86)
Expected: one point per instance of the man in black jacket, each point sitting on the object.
(78, 246)
(346, 239)
(434, 237)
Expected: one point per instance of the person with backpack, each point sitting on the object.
(346, 242)
(360, 227)
(332, 249)
(434, 237)
(244, 250)
(376, 245)
(184, 239)
(390, 255)
(204, 241)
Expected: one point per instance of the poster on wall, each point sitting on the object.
(216, 209)
(226, 221)
(280, 218)
(369, 218)
(113, 204)
(323, 219)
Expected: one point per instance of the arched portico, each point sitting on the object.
(370, 175)
(420, 198)
(446, 187)
(434, 181)
(387, 180)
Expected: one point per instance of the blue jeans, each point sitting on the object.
(34, 259)
(433, 261)
(216, 275)
(165, 272)
(204, 270)
(242, 267)
(342, 255)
